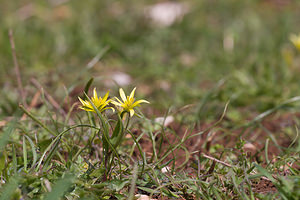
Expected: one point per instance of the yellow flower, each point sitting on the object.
(128, 102)
(295, 39)
(100, 103)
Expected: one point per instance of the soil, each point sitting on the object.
(207, 143)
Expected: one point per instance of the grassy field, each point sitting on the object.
(222, 81)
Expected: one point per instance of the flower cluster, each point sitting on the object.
(127, 104)
(99, 103)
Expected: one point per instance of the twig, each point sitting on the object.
(216, 160)
(17, 69)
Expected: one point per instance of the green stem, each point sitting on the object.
(37, 120)
(140, 150)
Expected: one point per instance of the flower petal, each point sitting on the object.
(132, 93)
(131, 112)
(105, 97)
(109, 108)
(82, 102)
(95, 94)
(86, 108)
(116, 103)
(119, 100)
(139, 101)
(122, 94)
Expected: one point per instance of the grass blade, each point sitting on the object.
(51, 154)
(24, 154)
(266, 151)
(14, 160)
(33, 149)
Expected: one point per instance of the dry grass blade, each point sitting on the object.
(17, 68)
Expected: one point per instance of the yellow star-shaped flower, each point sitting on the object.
(128, 103)
(295, 39)
(100, 103)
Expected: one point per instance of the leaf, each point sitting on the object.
(4, 139)
(97, 172)
(151, 191)
(264, 172)
(118, 133)
(51, 154)
(169, 193)
(87, 87)
(2, 160)
(9, 189)
(5, 136)
(33, 149)
(117, 184)
(60, 188)
(216, 193)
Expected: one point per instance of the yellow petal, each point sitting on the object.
(119, 100)
(81, 107)
(112, 109)
(116, 103)
(109, 108)
(86, 109)
(105, 96)
(82, 102)
(132, 93)
(139, 101)
(122, 94)
(95, 94)
(131, 112)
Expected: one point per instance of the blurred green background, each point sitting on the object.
(218, 49)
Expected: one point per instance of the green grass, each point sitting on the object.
(221, 99)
